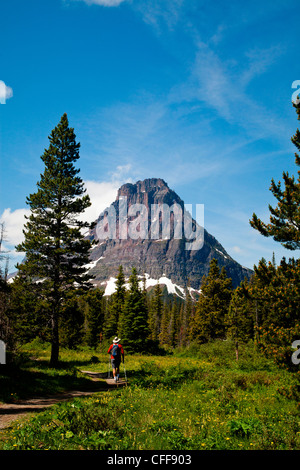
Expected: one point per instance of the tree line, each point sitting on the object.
(264, 310)
(53, 297)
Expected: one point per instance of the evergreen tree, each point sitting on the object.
(27, 311)
(164, 335)
(277, 291)
(155, 313)
(94, 317)
(274, 292)
(55, 248)
(135, 330)
(168, 327)
(72, 324)
(115, 308)
(284, 224)
(213, 303)
(239, 320)
(187, 316)
(174, 325)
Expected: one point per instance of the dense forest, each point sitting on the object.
(52, 297)
(264, 310)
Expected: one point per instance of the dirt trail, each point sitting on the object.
(10, 412)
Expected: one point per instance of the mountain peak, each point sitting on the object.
(158, 257)
(147, 192)
(144, 185)
(149, 185)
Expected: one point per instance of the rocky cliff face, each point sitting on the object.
(163, 257)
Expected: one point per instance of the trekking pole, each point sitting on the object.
(125, 372)
(109, 368)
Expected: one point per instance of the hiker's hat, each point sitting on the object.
(116, 340)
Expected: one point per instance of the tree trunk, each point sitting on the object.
(55, 339)
(56, 295)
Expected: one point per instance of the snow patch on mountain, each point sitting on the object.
(226, 257)
(92, 264)
(110, 285)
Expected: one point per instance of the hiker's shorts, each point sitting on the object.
(115, 363)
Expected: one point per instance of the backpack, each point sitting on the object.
(115, 352)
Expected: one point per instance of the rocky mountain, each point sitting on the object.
(134, 232)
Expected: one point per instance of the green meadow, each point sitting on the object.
(199, 398)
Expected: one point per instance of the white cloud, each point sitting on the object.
(14, 222)
(13, 235)
(101, 196)
(104, 3)
(103, 193)
(5, 92)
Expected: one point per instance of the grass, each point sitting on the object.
(195, 399)
(32, 376)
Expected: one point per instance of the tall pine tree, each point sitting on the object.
(212, 306)
(240, 320)
(115, 307)
(134, 328)
(55, 248)
(94, 317)
(155, 313)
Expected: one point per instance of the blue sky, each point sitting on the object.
(195, 92)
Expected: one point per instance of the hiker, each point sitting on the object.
(116, 351)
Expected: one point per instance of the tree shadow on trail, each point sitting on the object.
(20, 383)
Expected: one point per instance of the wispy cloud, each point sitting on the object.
(6, 92)
(157, 13)
(152, 137)
(104, 3)
(258, 61)
(14, 222)
(160, 13)
(222, 86)
(201, 124)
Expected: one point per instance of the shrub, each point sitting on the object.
(244, 427)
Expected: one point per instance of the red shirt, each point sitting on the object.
(110, 348)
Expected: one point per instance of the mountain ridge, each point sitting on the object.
(161, 257)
